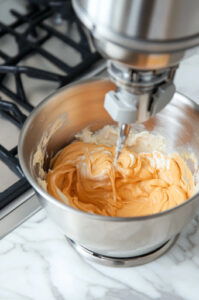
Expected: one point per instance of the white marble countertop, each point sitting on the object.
(37, 263)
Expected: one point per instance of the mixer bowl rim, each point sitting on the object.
(62, 205)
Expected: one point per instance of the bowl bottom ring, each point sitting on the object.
(122, 261)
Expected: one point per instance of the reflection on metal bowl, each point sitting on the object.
(81, 105)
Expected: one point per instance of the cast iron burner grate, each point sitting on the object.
(29, 43)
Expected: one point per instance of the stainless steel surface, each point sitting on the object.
(137, 81)
(115, 237)
(18, 211)
(123, 262)
(146, 34)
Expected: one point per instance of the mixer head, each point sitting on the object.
(140, 95)
(144, 41)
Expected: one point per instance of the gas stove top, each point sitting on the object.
(42, 47)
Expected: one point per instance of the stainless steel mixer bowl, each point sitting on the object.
(80, 105)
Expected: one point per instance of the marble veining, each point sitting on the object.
(36, 262)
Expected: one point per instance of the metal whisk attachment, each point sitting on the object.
(122, 136)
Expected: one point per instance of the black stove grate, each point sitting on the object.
(28, 43)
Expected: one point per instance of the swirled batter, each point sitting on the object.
(83, 175)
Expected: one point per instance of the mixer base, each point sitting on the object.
(122, 261)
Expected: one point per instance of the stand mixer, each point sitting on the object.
(143, 41)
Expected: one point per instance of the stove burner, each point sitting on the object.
(11, 112)
(29, 42)
(11, 161)
(26, 47)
